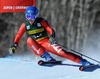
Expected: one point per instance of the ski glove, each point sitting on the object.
(12, 49)
(52, 38)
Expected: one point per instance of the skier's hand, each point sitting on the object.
(52, 40)
(12, 49)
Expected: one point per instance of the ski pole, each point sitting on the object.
(85, 56)
(66, 48)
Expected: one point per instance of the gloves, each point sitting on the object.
(12, 49)
(52, 38)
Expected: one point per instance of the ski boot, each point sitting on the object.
(49, 60)
(85, 64)
(47, 57)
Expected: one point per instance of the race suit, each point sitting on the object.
(38, 40)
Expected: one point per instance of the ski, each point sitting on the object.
(89, 68)
(49, 63)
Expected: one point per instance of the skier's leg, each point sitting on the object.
(35, 47)
(38, 49)
(56, 49)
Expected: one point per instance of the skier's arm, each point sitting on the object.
(48, 28)
(20, 33)
(50, 31)
(17, 38)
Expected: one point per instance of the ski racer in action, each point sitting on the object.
(41, 38)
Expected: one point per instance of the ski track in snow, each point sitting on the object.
(14, 68)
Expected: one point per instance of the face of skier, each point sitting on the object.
(30, 18)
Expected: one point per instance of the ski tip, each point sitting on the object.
(40, 62)
(81, 68)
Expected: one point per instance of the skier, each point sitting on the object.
(39, 41)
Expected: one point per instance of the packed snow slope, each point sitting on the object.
(17, 68)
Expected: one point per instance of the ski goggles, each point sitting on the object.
(30, 17)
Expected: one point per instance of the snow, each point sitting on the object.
(18, 68)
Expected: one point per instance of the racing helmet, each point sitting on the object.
(31, 13)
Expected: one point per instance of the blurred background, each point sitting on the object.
(76, 22)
